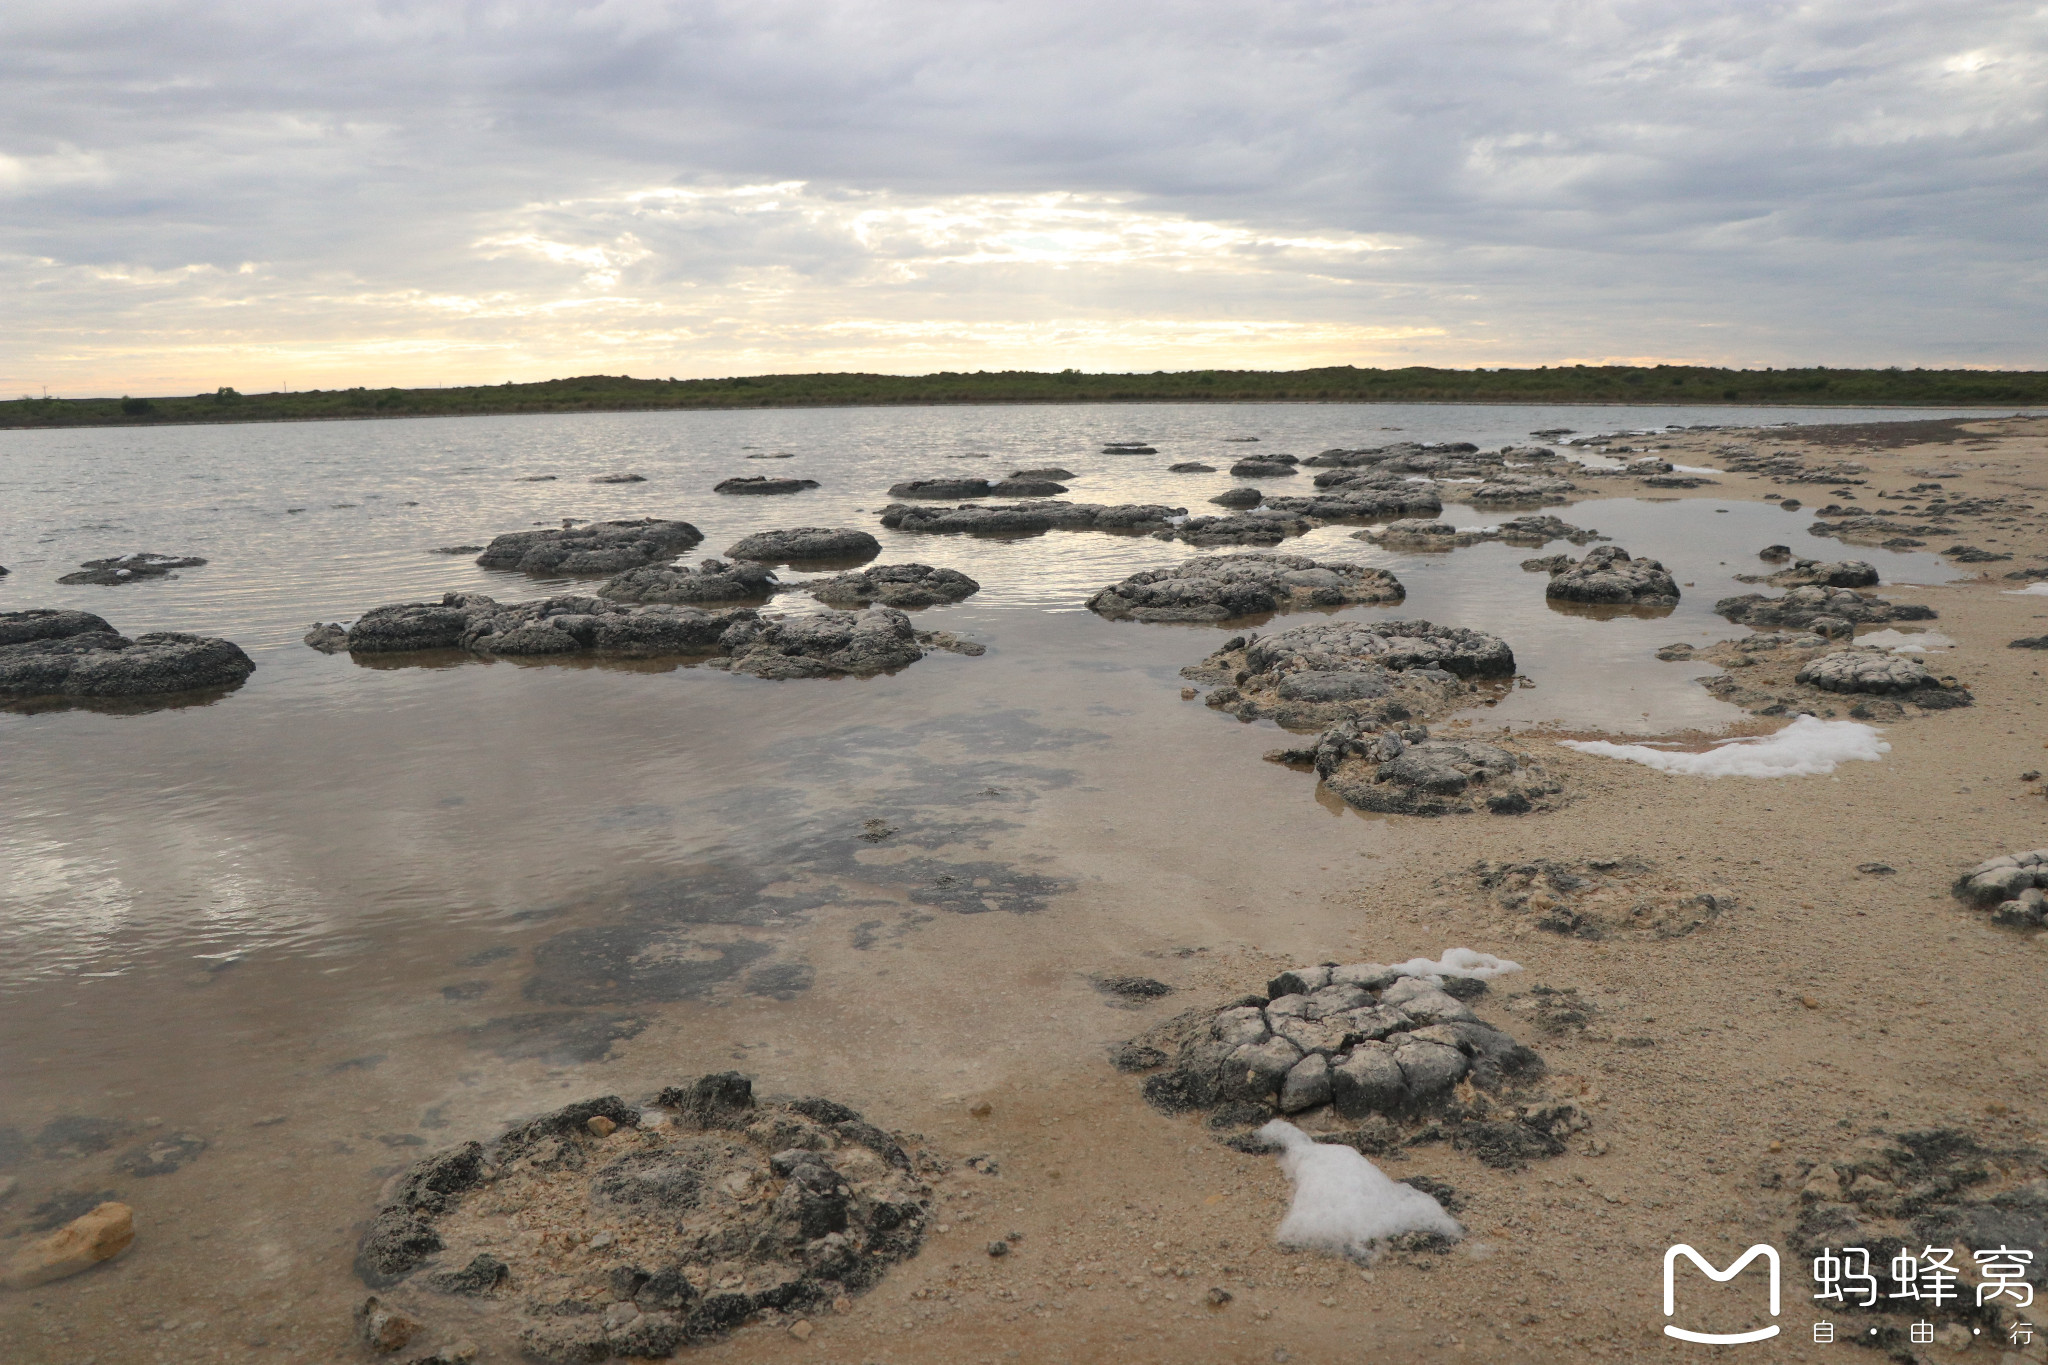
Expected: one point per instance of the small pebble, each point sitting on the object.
(998, 1248)
(1218, 1296)
(800, 1329)
(600, 1126)
(981, 1110)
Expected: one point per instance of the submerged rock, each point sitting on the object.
(894, 585)
(45, 653)
(1015, 487)
(2010, 886)
(598, 547)
(1217, 587)
(689, 1216)
(95, 1236)
(329, 637)
(619, 478)
(762, 484)
(806, 543)
(1416, 533)
(1025, 518)
(714, 580)
(1191, 467)
(1609, 576)
(1364, 502)
(130, 567)
(1827, 610)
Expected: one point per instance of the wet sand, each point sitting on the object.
(1921, 1013)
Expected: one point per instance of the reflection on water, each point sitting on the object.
(394, 900)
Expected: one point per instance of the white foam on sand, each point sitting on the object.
(1900, 642)
(1342, 1202)
(1808, 747)
(1458, 962)
(2031, 590)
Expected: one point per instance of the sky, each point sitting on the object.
(318, 195)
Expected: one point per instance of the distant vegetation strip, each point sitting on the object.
(1342, 384)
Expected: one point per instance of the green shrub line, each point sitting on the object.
(1688, 385)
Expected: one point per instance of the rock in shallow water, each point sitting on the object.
(45, 653)
(714, 580)
(894, 585)
(806, 543)
(1804, 607)
(1217, 587)
(99, 1235)
(1026, 518)
(1609, 576)
(129, 568)
(762, 484)
(599, 547)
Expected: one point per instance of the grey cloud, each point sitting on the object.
(1752, 182)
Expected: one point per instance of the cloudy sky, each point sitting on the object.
(195, 193)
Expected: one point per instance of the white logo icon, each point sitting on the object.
(1671, 1255)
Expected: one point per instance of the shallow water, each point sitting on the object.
(396, 904)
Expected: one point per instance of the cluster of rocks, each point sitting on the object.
(130, 568)
(658, 1226)
(1447, 460)
(1359, 1054)
(903, 586)
(51, 653)
(1822, 610)
(1608, 576)
(806, 544)
(715, 580)
(1789, 466)
(2010, 887)
(1026, 518)
(827, 645)
(591, 548)
(1022, 484)
(1352, 497)
(762, 485)
(1367, 686)
(1592, 898)
(1218, 587)
(1506, 488)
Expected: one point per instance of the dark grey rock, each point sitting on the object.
(903, 586)
(77, 655)
(806, 543)
(832, 644)
(1540, 530)
(1802, 607)
(619, 478)
(129, 568)
(1027, 488)
(940, 488)
(1191, 467)
(1025, 518)
(330, 637)
(715, 580)
(762, 484)
(1217, 587)
(1256, 527)
(592, 549)
(1608, 576)
(563, 625)
(1271, 468)
(2010, 887)
(1848, 573)
(1238, 498)
(1048, 472)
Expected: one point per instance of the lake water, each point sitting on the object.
(355, 908)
